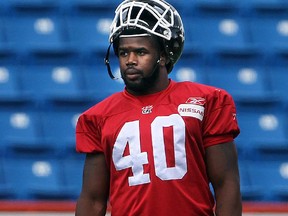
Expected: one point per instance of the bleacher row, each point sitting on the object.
(52, 69)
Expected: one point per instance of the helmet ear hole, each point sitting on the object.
(176, 45)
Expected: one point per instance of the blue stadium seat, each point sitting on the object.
(30, 4)
(249, 191)
(248, 84)
(73, 172)
(20, 131)
(5, 48)
(98, 83)
(53, 83)
(36, 34)
(264, 5)
(269, 34)
(185, 70)
(89, 33)
(278, 77)
(2, 34)
(183, 7)
(6, 189)
(263, 130)
(271, 177)
(215, 5)
(37, 177)
(218, 34)
(59, 128)
(10, 90)
(94, 4)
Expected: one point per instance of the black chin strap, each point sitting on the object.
(107, 63)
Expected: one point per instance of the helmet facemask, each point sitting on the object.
(155, 19)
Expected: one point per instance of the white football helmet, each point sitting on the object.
(154, 17)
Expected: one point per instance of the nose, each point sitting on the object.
(131, 59)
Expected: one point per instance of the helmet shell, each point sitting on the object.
(153, 17)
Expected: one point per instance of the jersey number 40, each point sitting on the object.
(130, 135)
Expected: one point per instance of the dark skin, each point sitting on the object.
(140, 69)
(95, 187)
(137, 59)
(222, 169)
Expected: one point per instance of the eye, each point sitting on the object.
(141, 52)
(122, 53)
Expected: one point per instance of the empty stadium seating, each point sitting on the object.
(72, 170)
(6, 189)
(30, 4)
(10, 90)
(249, 190)
(98, 83)
(94, 4)
(264, 6)
(243, 83)
(217, 34)
(278, 77)
(185, 70)
(270, 33)
(215, 4)
(271, 177)
(20, 131)
(89, 33)
(53, 83)
(35, 33)
(238, 45)
(263, 129)
(58, 127)
(41, 178)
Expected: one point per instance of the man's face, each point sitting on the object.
(138, 58)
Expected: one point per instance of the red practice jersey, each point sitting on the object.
(155, 147)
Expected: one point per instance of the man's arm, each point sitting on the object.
(222, 168)
(95, 188)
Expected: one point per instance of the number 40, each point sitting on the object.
(130, 135)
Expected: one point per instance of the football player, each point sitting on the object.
(155, 147)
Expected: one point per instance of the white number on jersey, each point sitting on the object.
(130, 135)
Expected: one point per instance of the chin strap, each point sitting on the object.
(107, 63)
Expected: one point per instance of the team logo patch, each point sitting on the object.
(196, 100)
(194, 107)
(147, 109)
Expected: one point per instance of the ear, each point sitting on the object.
(163, 59)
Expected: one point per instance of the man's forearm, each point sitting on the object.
(88, 208)
(228, 203)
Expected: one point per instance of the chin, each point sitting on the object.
(135, 85)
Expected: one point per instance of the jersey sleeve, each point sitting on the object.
(88, 135)
(220, 123)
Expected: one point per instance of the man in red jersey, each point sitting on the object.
(154, 148)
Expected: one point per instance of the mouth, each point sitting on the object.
(132, 74)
